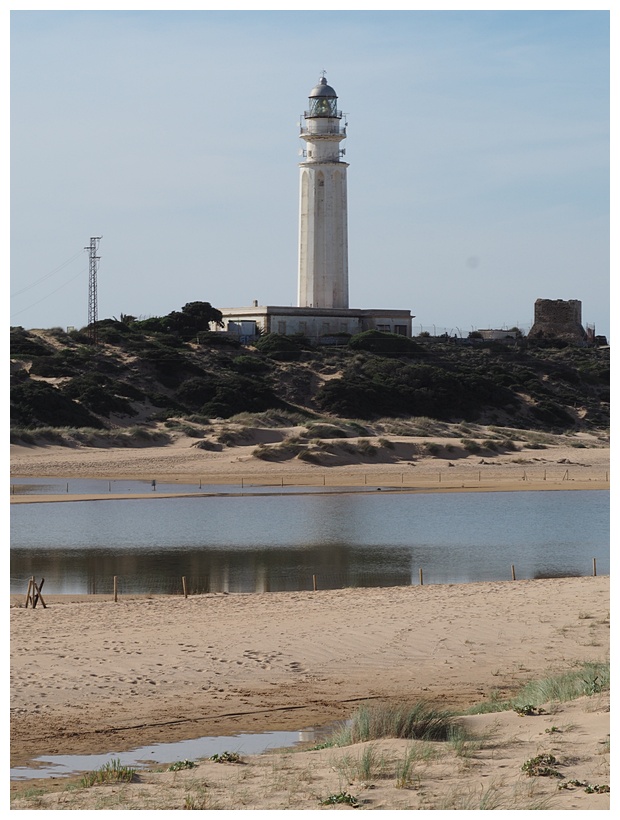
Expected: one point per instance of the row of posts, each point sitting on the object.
(315, 584)
(565, 477)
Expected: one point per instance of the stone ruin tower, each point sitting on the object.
(558, 319)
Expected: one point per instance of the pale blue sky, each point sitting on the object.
(478, 145)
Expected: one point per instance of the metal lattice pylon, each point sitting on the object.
(92, 287)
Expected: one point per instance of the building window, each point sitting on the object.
(384, 328)
(400, 329)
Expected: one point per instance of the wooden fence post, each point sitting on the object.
(33, 595)
(115, 588)
(184, 586)
(314, 583)
(594, 566)
(512, 570)
(29, 593)
(421, 577)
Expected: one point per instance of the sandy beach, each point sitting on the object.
(90, 675)
(579, 462)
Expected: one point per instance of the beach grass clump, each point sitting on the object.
(490, 444)
(369, 765)
(404, 772)
(186, 429)
(310, 456)
(231, 437)
(270, 418)
(588, 679)
(198, 418)
(320, 431)
(417, 721)
(366, 448)
(111, 772)
(51, 435)
(497, 796)
(207, 444)
(470, 445)
(279, 452)
(397, 427)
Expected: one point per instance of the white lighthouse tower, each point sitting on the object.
(323, 244)
(322, 314)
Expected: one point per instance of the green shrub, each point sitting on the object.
(98, 394)
(217, 339)
(35, 404)
(375, 341)
(25, 344)
(249, 364)
(282, 347)
(235, 394)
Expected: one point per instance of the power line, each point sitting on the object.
(73, 278)
(47, 275)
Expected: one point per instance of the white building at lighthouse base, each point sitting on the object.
(319, 325)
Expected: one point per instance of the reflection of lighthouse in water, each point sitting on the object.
(323, 243)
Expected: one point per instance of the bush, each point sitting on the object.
(99, 394)
(197, 391)
(171, 366)
(35, 404)
(240, 394)
(281, 347)
(192, 319)
(217, 339)
(249, 365)
(24, 344)
(376, 341)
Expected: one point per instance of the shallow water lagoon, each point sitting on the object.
(279, 542)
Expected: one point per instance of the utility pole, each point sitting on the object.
(92, 287)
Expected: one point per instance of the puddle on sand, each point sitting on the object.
(166, 753)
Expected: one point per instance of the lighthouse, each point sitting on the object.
(322, 314)
(323, 245)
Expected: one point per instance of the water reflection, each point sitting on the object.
(279, 542)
